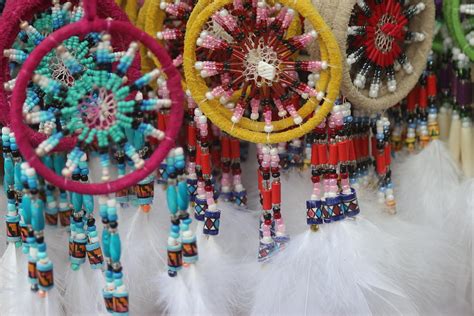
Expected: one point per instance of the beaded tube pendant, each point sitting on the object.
(205, 201)
(40, 267)
(182, 246)
(12, 186)
(381, 151)
(272, 228)
(115, 291)
(333, 161)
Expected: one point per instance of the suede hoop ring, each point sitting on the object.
(87, 25)
(248, 129)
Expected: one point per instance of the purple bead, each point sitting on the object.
(464, 92)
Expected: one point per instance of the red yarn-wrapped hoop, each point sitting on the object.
(81, 28)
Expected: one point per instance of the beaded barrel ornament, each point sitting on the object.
(384, 43)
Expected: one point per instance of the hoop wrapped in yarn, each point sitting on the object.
(130, 7)
(380, 69)
(458, 17)
(226, 61)
(99, 88)
(16, 13)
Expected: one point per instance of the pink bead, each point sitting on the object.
(287, 20)
(266, 230)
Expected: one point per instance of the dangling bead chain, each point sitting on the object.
(191, 152)
(231, 163)
(381, 150)
(182, 245)
(11, 163)
(206, 207)
(40, 267)
(273, 231)
(333, 198)
(115, 292)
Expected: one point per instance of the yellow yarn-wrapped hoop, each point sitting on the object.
(248, 129)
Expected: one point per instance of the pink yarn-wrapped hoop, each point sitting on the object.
(24, 10)
(81, 28)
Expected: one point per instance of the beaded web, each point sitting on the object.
(101, 108)
(378, 34)
(244, 47)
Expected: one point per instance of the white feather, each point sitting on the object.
(83, 293)
(330, 272)
(16, 298)
(142, 258)
(212, 286)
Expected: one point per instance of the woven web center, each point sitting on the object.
(99, 109)
(384, 41)
(261, 64)
(59, 71)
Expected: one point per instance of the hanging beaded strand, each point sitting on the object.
(333, 158)
(11, 163)
(267, 244)
(381, 151)
(182, 246)
(191, 176)
(115, 292)
(40, 267)
(205, 203)
(314, 216)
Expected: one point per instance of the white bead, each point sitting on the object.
(198, 65)
(268, 128)
(282, 113)
(209, 95)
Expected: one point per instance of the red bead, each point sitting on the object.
(333, 157)
(225, 143)
(276, 192)
(314, 155)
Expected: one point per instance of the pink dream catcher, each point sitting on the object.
(15, 14)
(117, 101)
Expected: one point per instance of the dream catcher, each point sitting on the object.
(102, 112)
(22, 38)
(385, 45)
